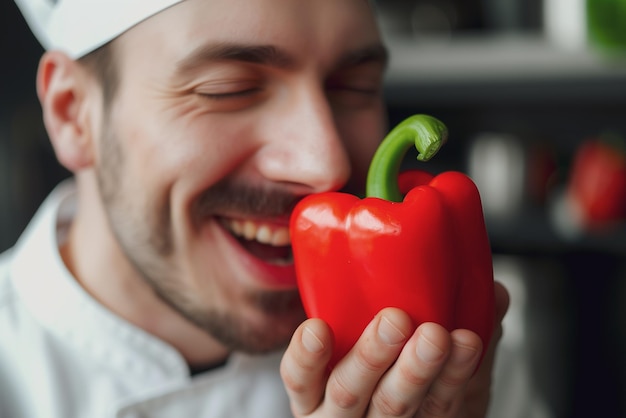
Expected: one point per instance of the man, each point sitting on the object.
(159, 281)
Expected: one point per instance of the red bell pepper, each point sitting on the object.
(426, 253)
(597, 185)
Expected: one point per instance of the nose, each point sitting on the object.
(303, 146)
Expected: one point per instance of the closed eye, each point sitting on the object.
(229, 94)
(363, 80)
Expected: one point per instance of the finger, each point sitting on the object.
(352, 382)
(405, 386)
(447, 392)
(303, 367)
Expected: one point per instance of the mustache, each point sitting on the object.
(244, 199)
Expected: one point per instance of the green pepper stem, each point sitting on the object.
(427, 133)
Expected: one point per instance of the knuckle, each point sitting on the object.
(292, 383)
(452, 381)
(293, 374)
(390, 406)
(435, 407)
(371, 360)
(415, 377)
(339, 394)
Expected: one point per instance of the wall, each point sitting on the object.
(28, 169)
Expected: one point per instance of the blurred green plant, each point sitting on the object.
(606, 24)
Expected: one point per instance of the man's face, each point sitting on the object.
(227, 113)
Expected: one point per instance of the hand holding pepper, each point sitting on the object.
(393, 368)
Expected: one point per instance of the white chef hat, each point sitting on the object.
(77, 27)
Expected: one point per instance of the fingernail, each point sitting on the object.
(310, 341)
(427, 351)
(463, 354)
(388, 333)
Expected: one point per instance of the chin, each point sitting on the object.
(259, 333)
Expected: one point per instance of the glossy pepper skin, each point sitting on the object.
(425, 252)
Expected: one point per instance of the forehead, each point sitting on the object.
(312, 29)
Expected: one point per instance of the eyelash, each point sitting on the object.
(230, 95)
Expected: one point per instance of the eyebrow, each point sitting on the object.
(272, 56)
(375, 53)
(255, 54)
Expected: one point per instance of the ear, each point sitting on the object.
(68, 99)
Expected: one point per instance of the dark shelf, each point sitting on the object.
(522, 68)
(534, 233)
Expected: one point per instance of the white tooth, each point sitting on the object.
(264, 234)
(237, 227)
(249, 230)
(281, 237)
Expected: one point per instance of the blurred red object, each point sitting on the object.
(597, 186)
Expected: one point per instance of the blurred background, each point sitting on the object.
(534, 95)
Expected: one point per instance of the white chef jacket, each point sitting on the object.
(63, 355)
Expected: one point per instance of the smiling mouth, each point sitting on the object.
(268, 242)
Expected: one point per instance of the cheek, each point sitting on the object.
(160, 155)
(193, 143)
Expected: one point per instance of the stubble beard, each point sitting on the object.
(148, 245)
